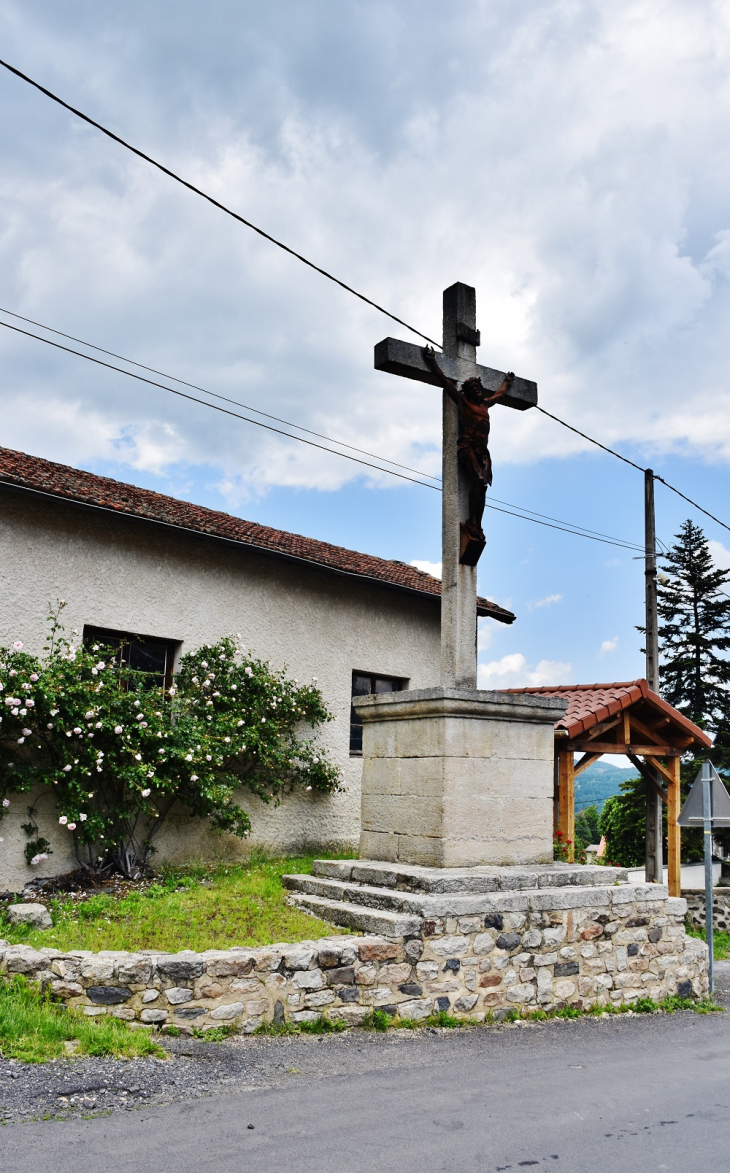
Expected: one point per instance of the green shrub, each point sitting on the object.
(118, 755)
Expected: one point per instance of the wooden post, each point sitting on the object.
(556, 793)
(674, 846)
(566, 784)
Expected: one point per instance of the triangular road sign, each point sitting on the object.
(692, 814)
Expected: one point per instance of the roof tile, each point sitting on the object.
(589, 704)
(59, 480)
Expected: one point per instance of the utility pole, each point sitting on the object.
(652, 634)
(654, 837)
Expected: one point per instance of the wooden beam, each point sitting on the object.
(644, 730)
(587, 760)
(663, 770)
(647, 775)
(602, 727)
(674, 841)
(663, 751)
(625, 729)
(566, 781)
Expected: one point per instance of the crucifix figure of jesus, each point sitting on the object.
(469, 391)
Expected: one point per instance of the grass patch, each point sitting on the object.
(185, 908)
(214, 1034)
(444, 1019)
(721, 941)
(277, 1028)
(35, 1029)
(322, 1026)
(378, 1020)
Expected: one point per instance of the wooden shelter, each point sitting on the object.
(624, 718)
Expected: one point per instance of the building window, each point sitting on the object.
(365, 684)
(142, 653)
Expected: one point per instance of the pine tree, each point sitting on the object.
(694, 637)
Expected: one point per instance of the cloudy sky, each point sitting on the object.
(568, 158)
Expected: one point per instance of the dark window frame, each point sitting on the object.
(375, 682)
(124, 643)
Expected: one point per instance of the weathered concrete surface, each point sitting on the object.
(582, 1097)
(454, 778)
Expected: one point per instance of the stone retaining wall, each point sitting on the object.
(547, 948)
(720, 908)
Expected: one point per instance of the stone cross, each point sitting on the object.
(458, 362)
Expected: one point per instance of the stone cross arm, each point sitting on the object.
(403, 358)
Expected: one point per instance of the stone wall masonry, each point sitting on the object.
(579, 947)
(720, 908)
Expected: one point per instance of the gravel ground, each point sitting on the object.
(65, 1089)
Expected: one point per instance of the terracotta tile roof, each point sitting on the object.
(59, 480)
(589, 704)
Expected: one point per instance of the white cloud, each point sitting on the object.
(603, 277)
(608, 646)
(720, 556)
(433, 568)
(485, 634)
(512, 671)
(546, 602)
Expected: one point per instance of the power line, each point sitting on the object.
(590, 439)
(224, 398)
(638, 467)
(565, 527)
(213, 406)
(588, 532)
(575, 532)
(323, 272)
(211, 200)
(691, 502)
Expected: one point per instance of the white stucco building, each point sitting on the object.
(133, 562)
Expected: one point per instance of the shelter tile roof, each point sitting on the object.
(59, 480)
(589, 704)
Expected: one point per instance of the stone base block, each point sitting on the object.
(455, 778)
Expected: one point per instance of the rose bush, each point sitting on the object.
(119, 755)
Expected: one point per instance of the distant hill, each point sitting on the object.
(599, 782)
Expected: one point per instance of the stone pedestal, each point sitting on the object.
(457, 778)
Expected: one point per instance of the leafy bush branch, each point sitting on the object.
(119, 755)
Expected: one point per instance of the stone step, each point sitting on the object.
(413, 878)
(356, 916)
(423, 905)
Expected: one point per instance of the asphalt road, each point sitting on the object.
(636, 1094)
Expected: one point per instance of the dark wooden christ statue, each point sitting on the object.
(473, 403)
